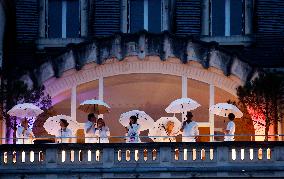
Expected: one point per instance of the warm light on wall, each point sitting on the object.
(258, 123)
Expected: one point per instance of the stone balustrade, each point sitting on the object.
(122, 160)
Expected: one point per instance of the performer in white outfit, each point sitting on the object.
(189, 129)
(167, 130)
(102, 132)
(133, 131)
(24, 134)
(230, 130)
(64, 135)
(90, 129)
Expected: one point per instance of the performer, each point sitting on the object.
(102, 132)
(133, 131)
(230, 130)
(24, 134)
(64, 134)
(90, 129)
(189, 129)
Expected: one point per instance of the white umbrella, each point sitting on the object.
(144, 119)
(94, 106)
(52, 126)
(224, 109)
(182, 105)
(25, 110)
(159, 128)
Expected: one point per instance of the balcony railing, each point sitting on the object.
(144, 159)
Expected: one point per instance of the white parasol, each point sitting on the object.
(224, 109)
(94, 106)
(52, 125)
(144, 119)
(182, 105)
(25, 110)
(159, 128)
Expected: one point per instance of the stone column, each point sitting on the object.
(248, 16)
(101, 92)
(42, 14)
(84, 18)
(184, 91)
(73, 105)
(205, 17)
(211, 116)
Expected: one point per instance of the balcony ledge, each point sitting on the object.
(56, 42)
(244, 40)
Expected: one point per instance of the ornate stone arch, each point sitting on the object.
(151, 64)
(143, 53)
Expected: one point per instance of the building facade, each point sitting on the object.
(142, 54)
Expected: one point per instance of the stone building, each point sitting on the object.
(141, 54)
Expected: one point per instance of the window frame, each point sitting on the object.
(227, 21)
(64, 20)
(145, 20)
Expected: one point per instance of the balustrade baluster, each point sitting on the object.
(77, 156)
(207, 154)
(264, 154)
(36, 156)
(18, 157)
(255, 154)
(149, 155)
(132, 155)
(9, 157)
(67, 156)
(28, 156)
(123, 155)
(246, 155)
(198, 155)
(1, 158)
(141, 155)
(85, 156)
(60, 159)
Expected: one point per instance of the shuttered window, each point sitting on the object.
(63, 18)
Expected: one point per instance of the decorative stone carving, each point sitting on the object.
(143, 46)
(44, 72)
(241, 69)
(220, 60)
(28, 81)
